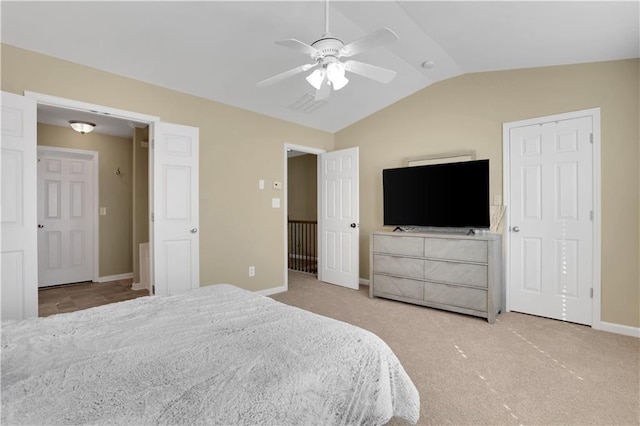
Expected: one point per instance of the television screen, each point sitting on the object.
(454, 195)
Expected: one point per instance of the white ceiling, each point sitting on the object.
(219, 50)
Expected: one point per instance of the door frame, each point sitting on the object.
(285, 207)
(94, 158)
(594, 113)
(55, 101)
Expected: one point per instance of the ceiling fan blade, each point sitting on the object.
(301, 47)
(276, 78)
(377, 38)
(373, 72)
(323, 92)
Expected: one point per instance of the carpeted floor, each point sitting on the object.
(520, 370)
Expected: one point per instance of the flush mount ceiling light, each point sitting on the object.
(82, 126)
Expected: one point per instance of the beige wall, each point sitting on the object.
(115, 190)
(467, 112)
(238, 227)
(302, 187)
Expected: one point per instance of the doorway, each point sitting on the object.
(173, 177)
(297, 257)
(119, 194)
(92, 210)
(337, 213)
(552, 193)
(302, 212)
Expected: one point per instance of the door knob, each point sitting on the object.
(194, 230)
(516, 229)
(353, 225)
(40, 226)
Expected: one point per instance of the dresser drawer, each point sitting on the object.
(456, 273)
(403, 266)
(465, 250)
(406, 246)
(397, 286)
(463, 297)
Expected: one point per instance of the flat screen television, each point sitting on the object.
(451, 195)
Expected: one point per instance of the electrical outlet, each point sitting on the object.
(252, 271)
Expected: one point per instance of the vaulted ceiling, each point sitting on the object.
(219, 50)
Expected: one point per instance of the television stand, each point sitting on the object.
(454, 272)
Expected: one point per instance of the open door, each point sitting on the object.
(19, 256)
(339, 219)
(174, 196)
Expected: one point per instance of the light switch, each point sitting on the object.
(261, 184)
(103, 211)
(275, 203)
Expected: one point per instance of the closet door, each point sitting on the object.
(19, 255)
(175, 215)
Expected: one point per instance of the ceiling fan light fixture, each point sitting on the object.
(335, 73)
(316, 78)
(82, 126)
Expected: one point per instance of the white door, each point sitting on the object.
(339, 218)
(19, 258)
(175, 215)
(65, 218)
(551, 219)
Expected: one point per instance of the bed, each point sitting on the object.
(214, 355)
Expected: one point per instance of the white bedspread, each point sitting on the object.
(216, 355)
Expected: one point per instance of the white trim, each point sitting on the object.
(364, 281)
(115, 277)
(594, 113)
(596, 317)
(87, 107)
(94, 157)
(271, 291)
(138, 286)
(285, 204)
(619, 329)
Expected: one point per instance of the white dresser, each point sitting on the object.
(460, 273)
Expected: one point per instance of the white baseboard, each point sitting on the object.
(138, 286)
(271, 291)
(115, 277)
(619, 329)
(364, 282)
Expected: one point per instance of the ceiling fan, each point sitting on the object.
(326, 53)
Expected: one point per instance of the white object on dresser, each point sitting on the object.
(459, 273)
